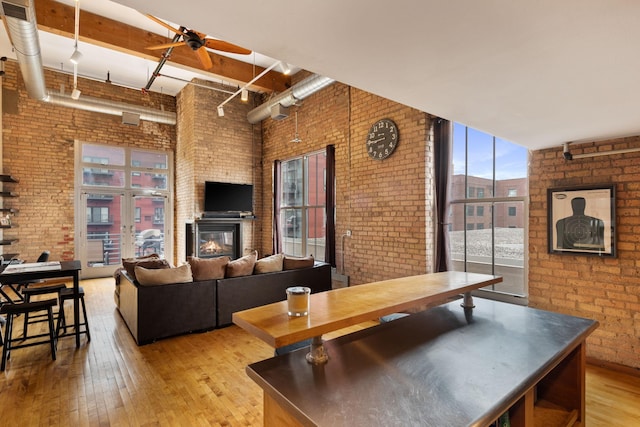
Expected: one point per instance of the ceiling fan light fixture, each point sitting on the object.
(244, 97)
(76, 57)
(220, 111)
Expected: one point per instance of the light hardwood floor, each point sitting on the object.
(185, 381)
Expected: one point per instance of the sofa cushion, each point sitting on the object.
(208, 268)
(165, 276)
(293, 263)
(242, 266)
(150, 262)
(269, 264)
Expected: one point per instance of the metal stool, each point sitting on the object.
(67, 294)
(27, 293)
(12, 310)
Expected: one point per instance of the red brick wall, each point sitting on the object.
(212, 148)
(386, 204)
(605, 289)
(38, 148)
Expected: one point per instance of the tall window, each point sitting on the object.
(302, 205)
(484, 166)
(124, 193)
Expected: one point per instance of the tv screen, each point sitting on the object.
(227, 197)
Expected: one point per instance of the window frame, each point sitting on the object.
(304, 208)
(470, 201)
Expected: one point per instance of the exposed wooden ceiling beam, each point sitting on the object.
(58, 18)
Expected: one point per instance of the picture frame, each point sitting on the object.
(582, 220)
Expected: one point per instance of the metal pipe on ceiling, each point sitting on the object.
(297, 92)
(21, 24)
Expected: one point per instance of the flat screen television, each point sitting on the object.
(228, 197)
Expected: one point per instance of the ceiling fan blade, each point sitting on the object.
(164, 46)
(204, 57)
(164, 24)
(225, 46)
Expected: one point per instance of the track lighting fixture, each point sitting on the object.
(243, 91)
(286, 68)
(76, 56)
(75, 93)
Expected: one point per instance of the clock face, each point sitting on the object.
(382, 139)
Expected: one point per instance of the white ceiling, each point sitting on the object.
(538, 73)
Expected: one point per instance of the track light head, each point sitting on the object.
(76, 57)
(220, 111)
(244, 96)
(75, 93)
(286, 68)
(566, 153)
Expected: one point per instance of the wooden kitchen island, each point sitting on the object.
(448, 365)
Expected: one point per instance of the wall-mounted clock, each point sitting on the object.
(382, 139)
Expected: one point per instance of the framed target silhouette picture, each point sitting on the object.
(582, 220)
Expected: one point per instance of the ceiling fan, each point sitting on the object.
(198, 42)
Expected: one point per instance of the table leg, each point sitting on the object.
(318, 354)
(76, 307)
(467, 301)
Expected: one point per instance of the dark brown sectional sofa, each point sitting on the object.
(153, 312)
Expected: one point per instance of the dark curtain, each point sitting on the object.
(442, 153)
(277, 243)
(330, 232)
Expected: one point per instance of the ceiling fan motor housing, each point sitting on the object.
(193, 41)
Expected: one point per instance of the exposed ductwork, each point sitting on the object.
(300, 91)
(21, 24)
(112, 107)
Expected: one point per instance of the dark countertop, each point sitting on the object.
(441, 367)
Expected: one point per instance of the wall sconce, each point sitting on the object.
(220, 111)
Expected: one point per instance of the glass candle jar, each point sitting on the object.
(298, 301)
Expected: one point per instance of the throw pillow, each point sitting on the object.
(166, 276)
(242, 266)
(269, 264)
(150, 262)
(208, 268)
(293, 263)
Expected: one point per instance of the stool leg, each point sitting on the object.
(27, 298)
(7, 343)
(86, 319)
(52, 337)
(60, 318)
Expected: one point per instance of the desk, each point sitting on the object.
(67, 269)
(446, 366)
(341, 308)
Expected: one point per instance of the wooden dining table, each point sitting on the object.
(67, 269)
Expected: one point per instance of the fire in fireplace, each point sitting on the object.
(215, 238)
(217, 244)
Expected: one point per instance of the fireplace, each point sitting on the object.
(214, 238)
